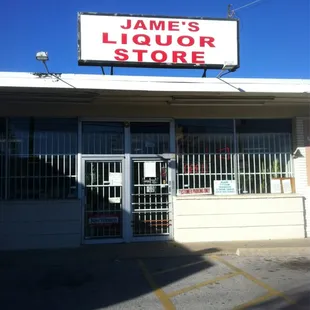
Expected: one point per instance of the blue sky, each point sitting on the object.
(274, 34)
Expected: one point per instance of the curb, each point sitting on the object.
(276, 251)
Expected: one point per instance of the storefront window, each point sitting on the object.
(149, 138)
(103, 138)
(264, 149)
(204, 154)
(245, 159)
(42, 158)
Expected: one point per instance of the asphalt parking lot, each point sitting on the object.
(92, 282)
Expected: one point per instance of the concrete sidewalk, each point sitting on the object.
(241, 248)
(263, 247)
(174, 249)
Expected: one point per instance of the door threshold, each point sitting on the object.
(151, 239)
(103, 241)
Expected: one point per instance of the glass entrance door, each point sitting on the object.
(151, 198)
(103, 199)
(126, 181)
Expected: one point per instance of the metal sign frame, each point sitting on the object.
(151, 64)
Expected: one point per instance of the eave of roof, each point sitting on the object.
(155, 84)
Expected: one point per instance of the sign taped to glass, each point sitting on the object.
(103, 219)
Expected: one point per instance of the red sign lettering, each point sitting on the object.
(157, 25)
(207, 41)
(140, 54)
(105, 39)
(193, 191)
(186, 41)
(154, 50)
(121, 54)
(173, 26)
(160, 25)
(193, 26)
(140, 25)
(195, 168)
(159, 56)
(159, 40)
(178, 56)
(198, 57)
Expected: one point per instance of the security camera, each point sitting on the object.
(297, 154)
(42, 56)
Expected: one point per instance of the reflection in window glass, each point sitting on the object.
(2, 157)
(263, 125)
(264, 150)
(42, 158)
(205, 126)
(103, 138)
(208, 150)
(150, 138)
(204, 150)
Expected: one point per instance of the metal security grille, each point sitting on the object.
(103, 199)
(42, 159)
(150, 199)
(42, 177)
(201, 159)
(262, 157)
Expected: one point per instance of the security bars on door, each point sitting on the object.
(258, 158)
(150, 199)
(103, 199)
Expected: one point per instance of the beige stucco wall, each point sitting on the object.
(202, 219)
(44, 224)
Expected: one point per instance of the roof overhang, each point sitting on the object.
(18, 88)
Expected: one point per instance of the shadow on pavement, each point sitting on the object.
(89, 277)
(93, 277)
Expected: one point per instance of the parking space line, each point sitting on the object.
(258, 282)
(161, 295)
(202, 284)
(179, 267)
(255, 301)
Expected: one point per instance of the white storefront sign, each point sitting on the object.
(120, 40)
(225, 187)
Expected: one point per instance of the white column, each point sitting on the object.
(300, 169)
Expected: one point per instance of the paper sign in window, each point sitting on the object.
(150, 169)
(287, 186)
(115, 178)
(276, 186)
